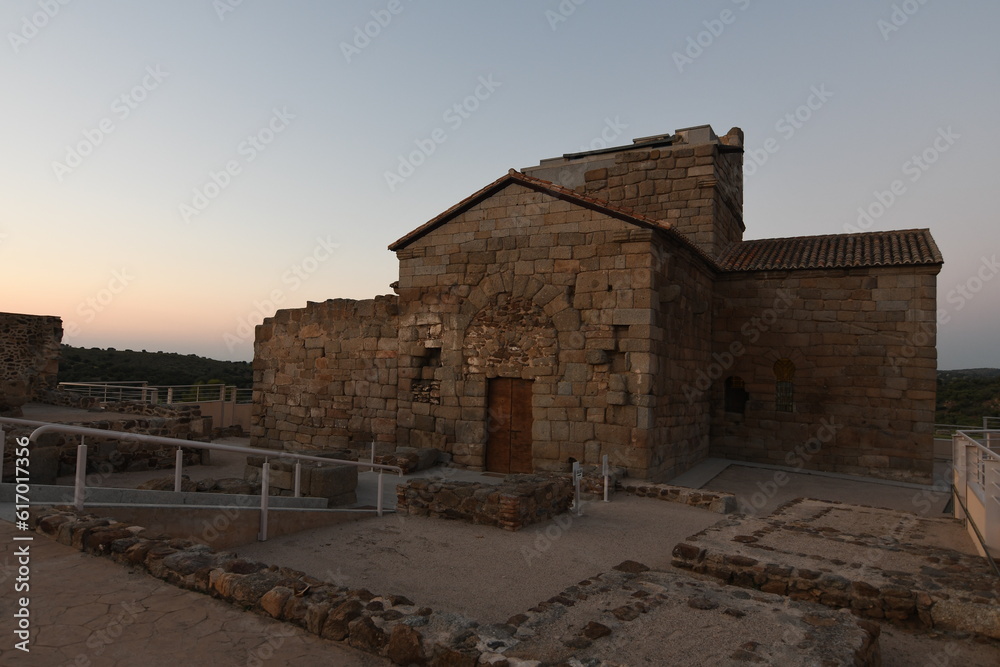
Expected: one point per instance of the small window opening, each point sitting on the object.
(736, 396)
(784, 394)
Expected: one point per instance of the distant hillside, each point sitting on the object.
(970, 373)
(78, 364)
(966, 396)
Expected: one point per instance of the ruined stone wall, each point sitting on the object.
(29, 358)
(325, 376)
(527, 286)
(858, 348)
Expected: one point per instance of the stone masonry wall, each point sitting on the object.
(325, 376)
(681, 346)
(29, 358)
(862, 344)
(568, 298)
(520, 500)
(698, 189)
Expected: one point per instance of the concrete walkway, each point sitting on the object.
(86, 610)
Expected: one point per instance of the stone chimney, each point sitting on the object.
(692, 179)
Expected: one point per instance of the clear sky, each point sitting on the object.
(172, 172)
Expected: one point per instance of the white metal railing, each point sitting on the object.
(79, 487)
(976, 457)
(948, 430)
(141, 392)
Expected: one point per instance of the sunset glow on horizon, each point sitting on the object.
(173, 173)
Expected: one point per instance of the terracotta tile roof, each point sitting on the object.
(539, 185)
(909, 247)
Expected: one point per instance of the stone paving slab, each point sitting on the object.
(86, 610)
(880, 563)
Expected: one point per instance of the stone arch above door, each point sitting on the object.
(513, 326)
(512, 337)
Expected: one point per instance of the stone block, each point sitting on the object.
(333, 481)
(470, 431)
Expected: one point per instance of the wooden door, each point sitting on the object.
(508, 449)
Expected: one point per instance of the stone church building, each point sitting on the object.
(606, 303)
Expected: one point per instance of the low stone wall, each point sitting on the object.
(68, 399)
(811, 550)
(714, 501)
(107, 456)
(386, 625)
(518, 501)
(410, 459)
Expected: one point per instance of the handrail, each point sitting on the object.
(976, 454)
(81, 460)
(972, 441)
(146, 393)
(979, 535)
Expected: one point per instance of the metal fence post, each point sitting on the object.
(577, 476)
(379, 504)
(178, 465)
(265, 488)
(3, 448)
(607, 478)
(298, 479)
(79, 488)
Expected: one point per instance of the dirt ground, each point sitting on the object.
(490, 574)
